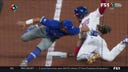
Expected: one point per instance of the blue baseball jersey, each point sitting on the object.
(53, 28)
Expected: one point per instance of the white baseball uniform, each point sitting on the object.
(96, 44)
(92, 20)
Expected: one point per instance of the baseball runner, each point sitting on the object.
(49, 31)
(91, 45)
(89, 20)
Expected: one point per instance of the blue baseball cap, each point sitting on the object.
(81, 11)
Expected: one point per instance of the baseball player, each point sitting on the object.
(89, 20)
(49, 31)
(90, 45)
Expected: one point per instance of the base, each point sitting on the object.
(57, 54)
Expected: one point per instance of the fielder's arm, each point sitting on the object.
(103, 8)
(110, 5)
(84, 28)
(81, 39)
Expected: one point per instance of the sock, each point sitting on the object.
(33, 54)
(76, 50)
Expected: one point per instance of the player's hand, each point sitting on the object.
(21, 24)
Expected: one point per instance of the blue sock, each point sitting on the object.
(33, 54)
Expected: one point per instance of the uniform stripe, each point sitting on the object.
(33, 54)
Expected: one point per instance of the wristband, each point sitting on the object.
(28, 22)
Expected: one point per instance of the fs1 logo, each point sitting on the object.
(105, 4)
(116, 68)
(111, 5)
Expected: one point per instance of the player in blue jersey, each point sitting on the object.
(48, 30)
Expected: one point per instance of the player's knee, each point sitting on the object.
(23, 38)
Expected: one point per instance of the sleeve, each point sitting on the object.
(99, 11)
(53, 24)
(74, 31)
(44, 21)
(102, 9)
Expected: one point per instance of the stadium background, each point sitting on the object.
(13, 50)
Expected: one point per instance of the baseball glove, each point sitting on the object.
(104, 29)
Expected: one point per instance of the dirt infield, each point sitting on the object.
(13, 50)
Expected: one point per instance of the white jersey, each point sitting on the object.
(92, 20)
(96, 44)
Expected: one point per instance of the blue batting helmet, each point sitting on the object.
(67, 24)
(80, 12)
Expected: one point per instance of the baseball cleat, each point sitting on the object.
(125, 41)
(93, 59)
(24, 63)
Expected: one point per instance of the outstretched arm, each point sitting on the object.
(29, 22)
(102, 9)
